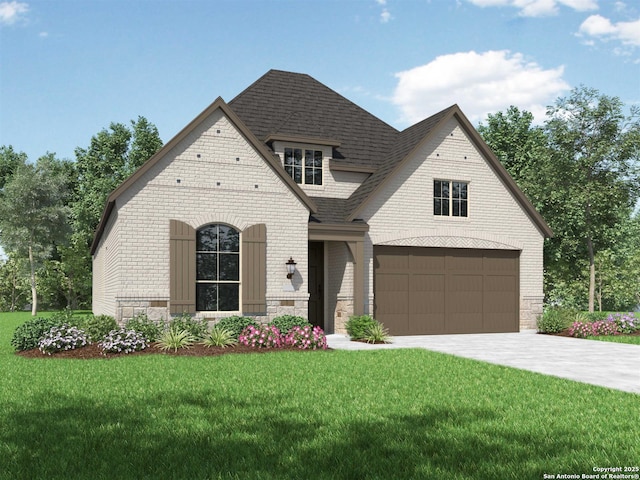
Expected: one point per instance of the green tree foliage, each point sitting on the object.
(14, 287)
(580, 171)
(594, 152)
(521, 147)
(112, 156)
(33, 214)
(10, 160)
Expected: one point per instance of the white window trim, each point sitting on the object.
(304, 147)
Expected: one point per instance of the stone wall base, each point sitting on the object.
(530, 310)
(344, 309)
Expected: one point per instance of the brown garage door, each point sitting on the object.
(425, 291)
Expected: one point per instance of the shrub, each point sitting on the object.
(596, 316)
(66, 317)
(626, 322)
(261, 336)
(306, 338)
(605, 327)
(581, 329)
(123, 341)
(27, 335)
(174, 338)
(219, 337)
(197, 327)
(555, 319)
(148, 328)
(235, 324)
(65, 337)
(357, 326)
(97, 326)
(376, 334)
(285, 323)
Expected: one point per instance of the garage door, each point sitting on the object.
(426, 291)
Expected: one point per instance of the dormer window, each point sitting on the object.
(304, 164)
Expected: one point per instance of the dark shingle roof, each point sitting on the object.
(295, 104)
(330, 210)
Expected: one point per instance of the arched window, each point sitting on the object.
(217, 268)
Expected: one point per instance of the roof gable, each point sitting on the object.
(412, 139)
(271, 158)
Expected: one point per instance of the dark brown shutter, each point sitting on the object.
(182, 270)
(254, 269)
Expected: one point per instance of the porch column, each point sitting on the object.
(357, 251)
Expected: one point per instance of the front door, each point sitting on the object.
(316, 284)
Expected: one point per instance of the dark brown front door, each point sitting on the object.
(426, 291)
(316, 283)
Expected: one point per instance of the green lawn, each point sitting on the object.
(634, 339)
(303, 415)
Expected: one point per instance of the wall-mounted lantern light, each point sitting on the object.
(291, 268)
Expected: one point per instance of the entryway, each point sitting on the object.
(316, 284)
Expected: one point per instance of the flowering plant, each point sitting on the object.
(64, 337)
(123, 341)
(626, 322)
(306, 338)
(593, 329)
(604, 327)
(261, 336)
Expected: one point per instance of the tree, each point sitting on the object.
(594, 152)
(10, 160)
(33, 217)
(112, 156)
(522, 149)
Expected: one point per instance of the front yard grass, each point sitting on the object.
(633, 339)
(332, 414)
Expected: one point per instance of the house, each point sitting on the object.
(290, 199)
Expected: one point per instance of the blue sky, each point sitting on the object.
(70, 68)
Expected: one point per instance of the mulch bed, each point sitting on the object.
(94, 351)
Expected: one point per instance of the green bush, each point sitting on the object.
(235, 324)
(376, 333)
(556, 319)
(596, 316)
(98, 326)
(27, 335)
(285, 323)
(144, 325)
(219, 337)
(197, 327)
(66, 316)
(357, 326)
(175, 338)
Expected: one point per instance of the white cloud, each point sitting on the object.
(538, 8)
(600, 27)
(480, 83)
(385, 16)
(11, 12)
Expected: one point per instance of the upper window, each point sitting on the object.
(217, 268)
(310, 169)
(450, 198)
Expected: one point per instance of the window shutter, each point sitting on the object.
(182, 269)
(254, 269)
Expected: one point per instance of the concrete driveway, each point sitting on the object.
(607, 364)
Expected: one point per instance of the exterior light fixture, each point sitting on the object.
(291, 268)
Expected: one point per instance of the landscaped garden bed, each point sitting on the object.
(63, 336)
(617, 327)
